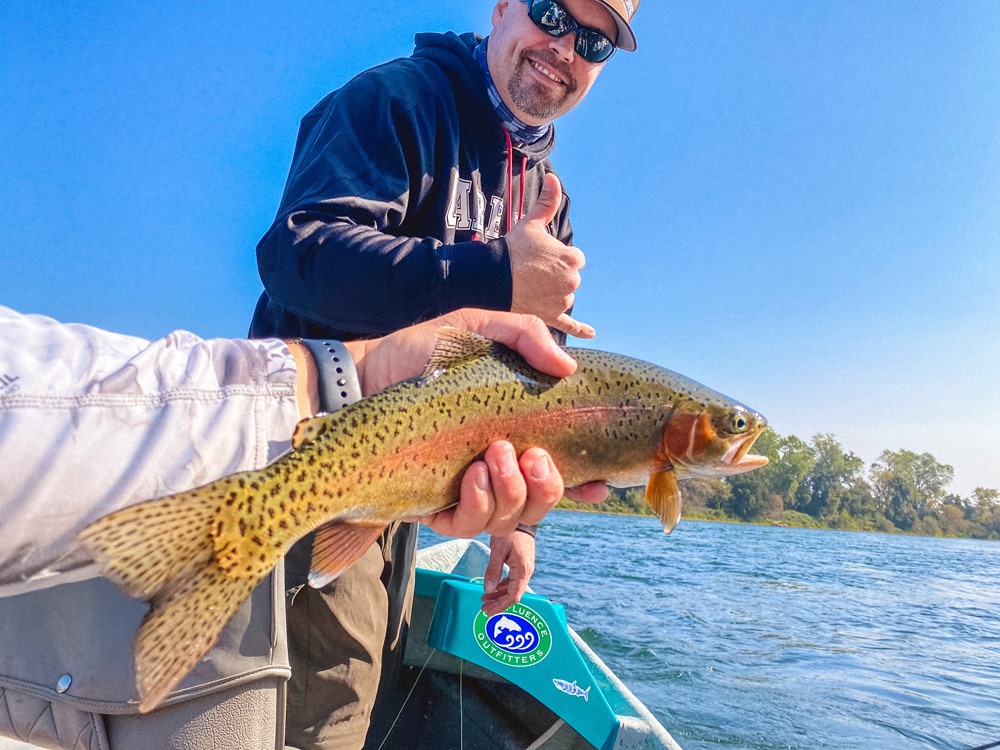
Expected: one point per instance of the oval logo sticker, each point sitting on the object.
(518, 637)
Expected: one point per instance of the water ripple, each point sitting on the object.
(769, 638)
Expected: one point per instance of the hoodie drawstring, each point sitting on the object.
(510, 180)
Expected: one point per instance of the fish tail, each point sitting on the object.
(183, 622)
(163, 551)
(144, 547)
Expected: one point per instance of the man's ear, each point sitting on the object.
(499, 9)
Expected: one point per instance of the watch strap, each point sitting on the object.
(338, 379)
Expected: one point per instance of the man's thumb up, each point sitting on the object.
(545, 272)
(547, 204)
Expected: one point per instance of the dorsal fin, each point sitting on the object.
(452, 347)
(307, 430)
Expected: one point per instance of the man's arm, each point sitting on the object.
(337, 253)
(92, 421)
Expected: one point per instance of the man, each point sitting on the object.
(421, 186)
(92, 421)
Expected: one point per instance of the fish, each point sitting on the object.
(571, 688)
(505, 623)
(196, 556)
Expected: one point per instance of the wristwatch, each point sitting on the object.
(338, 378)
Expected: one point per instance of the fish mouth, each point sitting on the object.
(738, 459)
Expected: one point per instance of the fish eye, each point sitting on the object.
(738, 422)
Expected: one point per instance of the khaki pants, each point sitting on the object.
(345, 640)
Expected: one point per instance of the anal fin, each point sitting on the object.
(337, 545)
(664, 497)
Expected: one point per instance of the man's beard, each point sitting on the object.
(531, 96)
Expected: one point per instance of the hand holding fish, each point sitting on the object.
(501, 490)
(405, 353)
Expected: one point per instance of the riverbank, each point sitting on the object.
(786, 519)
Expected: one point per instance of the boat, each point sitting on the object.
(520, 679)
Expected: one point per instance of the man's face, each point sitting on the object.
(540, 77)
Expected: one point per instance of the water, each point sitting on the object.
(770, 638)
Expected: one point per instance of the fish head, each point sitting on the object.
(711, 437)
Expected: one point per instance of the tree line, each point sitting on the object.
(820, 484)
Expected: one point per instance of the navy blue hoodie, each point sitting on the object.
(397, 201)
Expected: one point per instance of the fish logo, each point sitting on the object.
(518, 637)
(571, 688)
(505, 623)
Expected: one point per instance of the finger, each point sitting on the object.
(508, 486)
(504, 597)
(474, 509)
(544, 485)
(494, 569)
(573, 327)
(574, 258)
(546, 206)
(521, 569)
(494, 602)
(404, 354)
(567, 303)
(591, 492)
(526, 334)
(516, 586)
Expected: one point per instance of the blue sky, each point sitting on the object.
(797, 203)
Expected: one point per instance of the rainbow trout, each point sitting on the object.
(196, 556)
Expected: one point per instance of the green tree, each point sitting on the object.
(835, 479)
(985, 512)
(909, 486)
(704, 493)
(794, 462)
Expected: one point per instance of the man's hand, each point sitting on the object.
(404, 354)
(500, 492)
(517, 550)
(546, 272)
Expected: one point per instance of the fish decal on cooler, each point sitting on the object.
(571, 688)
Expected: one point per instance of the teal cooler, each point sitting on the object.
(528, 645)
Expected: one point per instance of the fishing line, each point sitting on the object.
(407, 699)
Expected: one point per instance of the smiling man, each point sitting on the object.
(545, 60)
(422, 186)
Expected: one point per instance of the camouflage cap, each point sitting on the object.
(622, 11)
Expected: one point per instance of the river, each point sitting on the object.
(771, 638)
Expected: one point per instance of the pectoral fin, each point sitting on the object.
(664, 497)
(308, 430)
(336, 546)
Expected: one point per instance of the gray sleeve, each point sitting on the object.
(92, 421)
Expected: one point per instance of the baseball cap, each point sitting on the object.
(622, 11)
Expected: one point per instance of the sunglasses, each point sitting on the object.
(552, 18)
